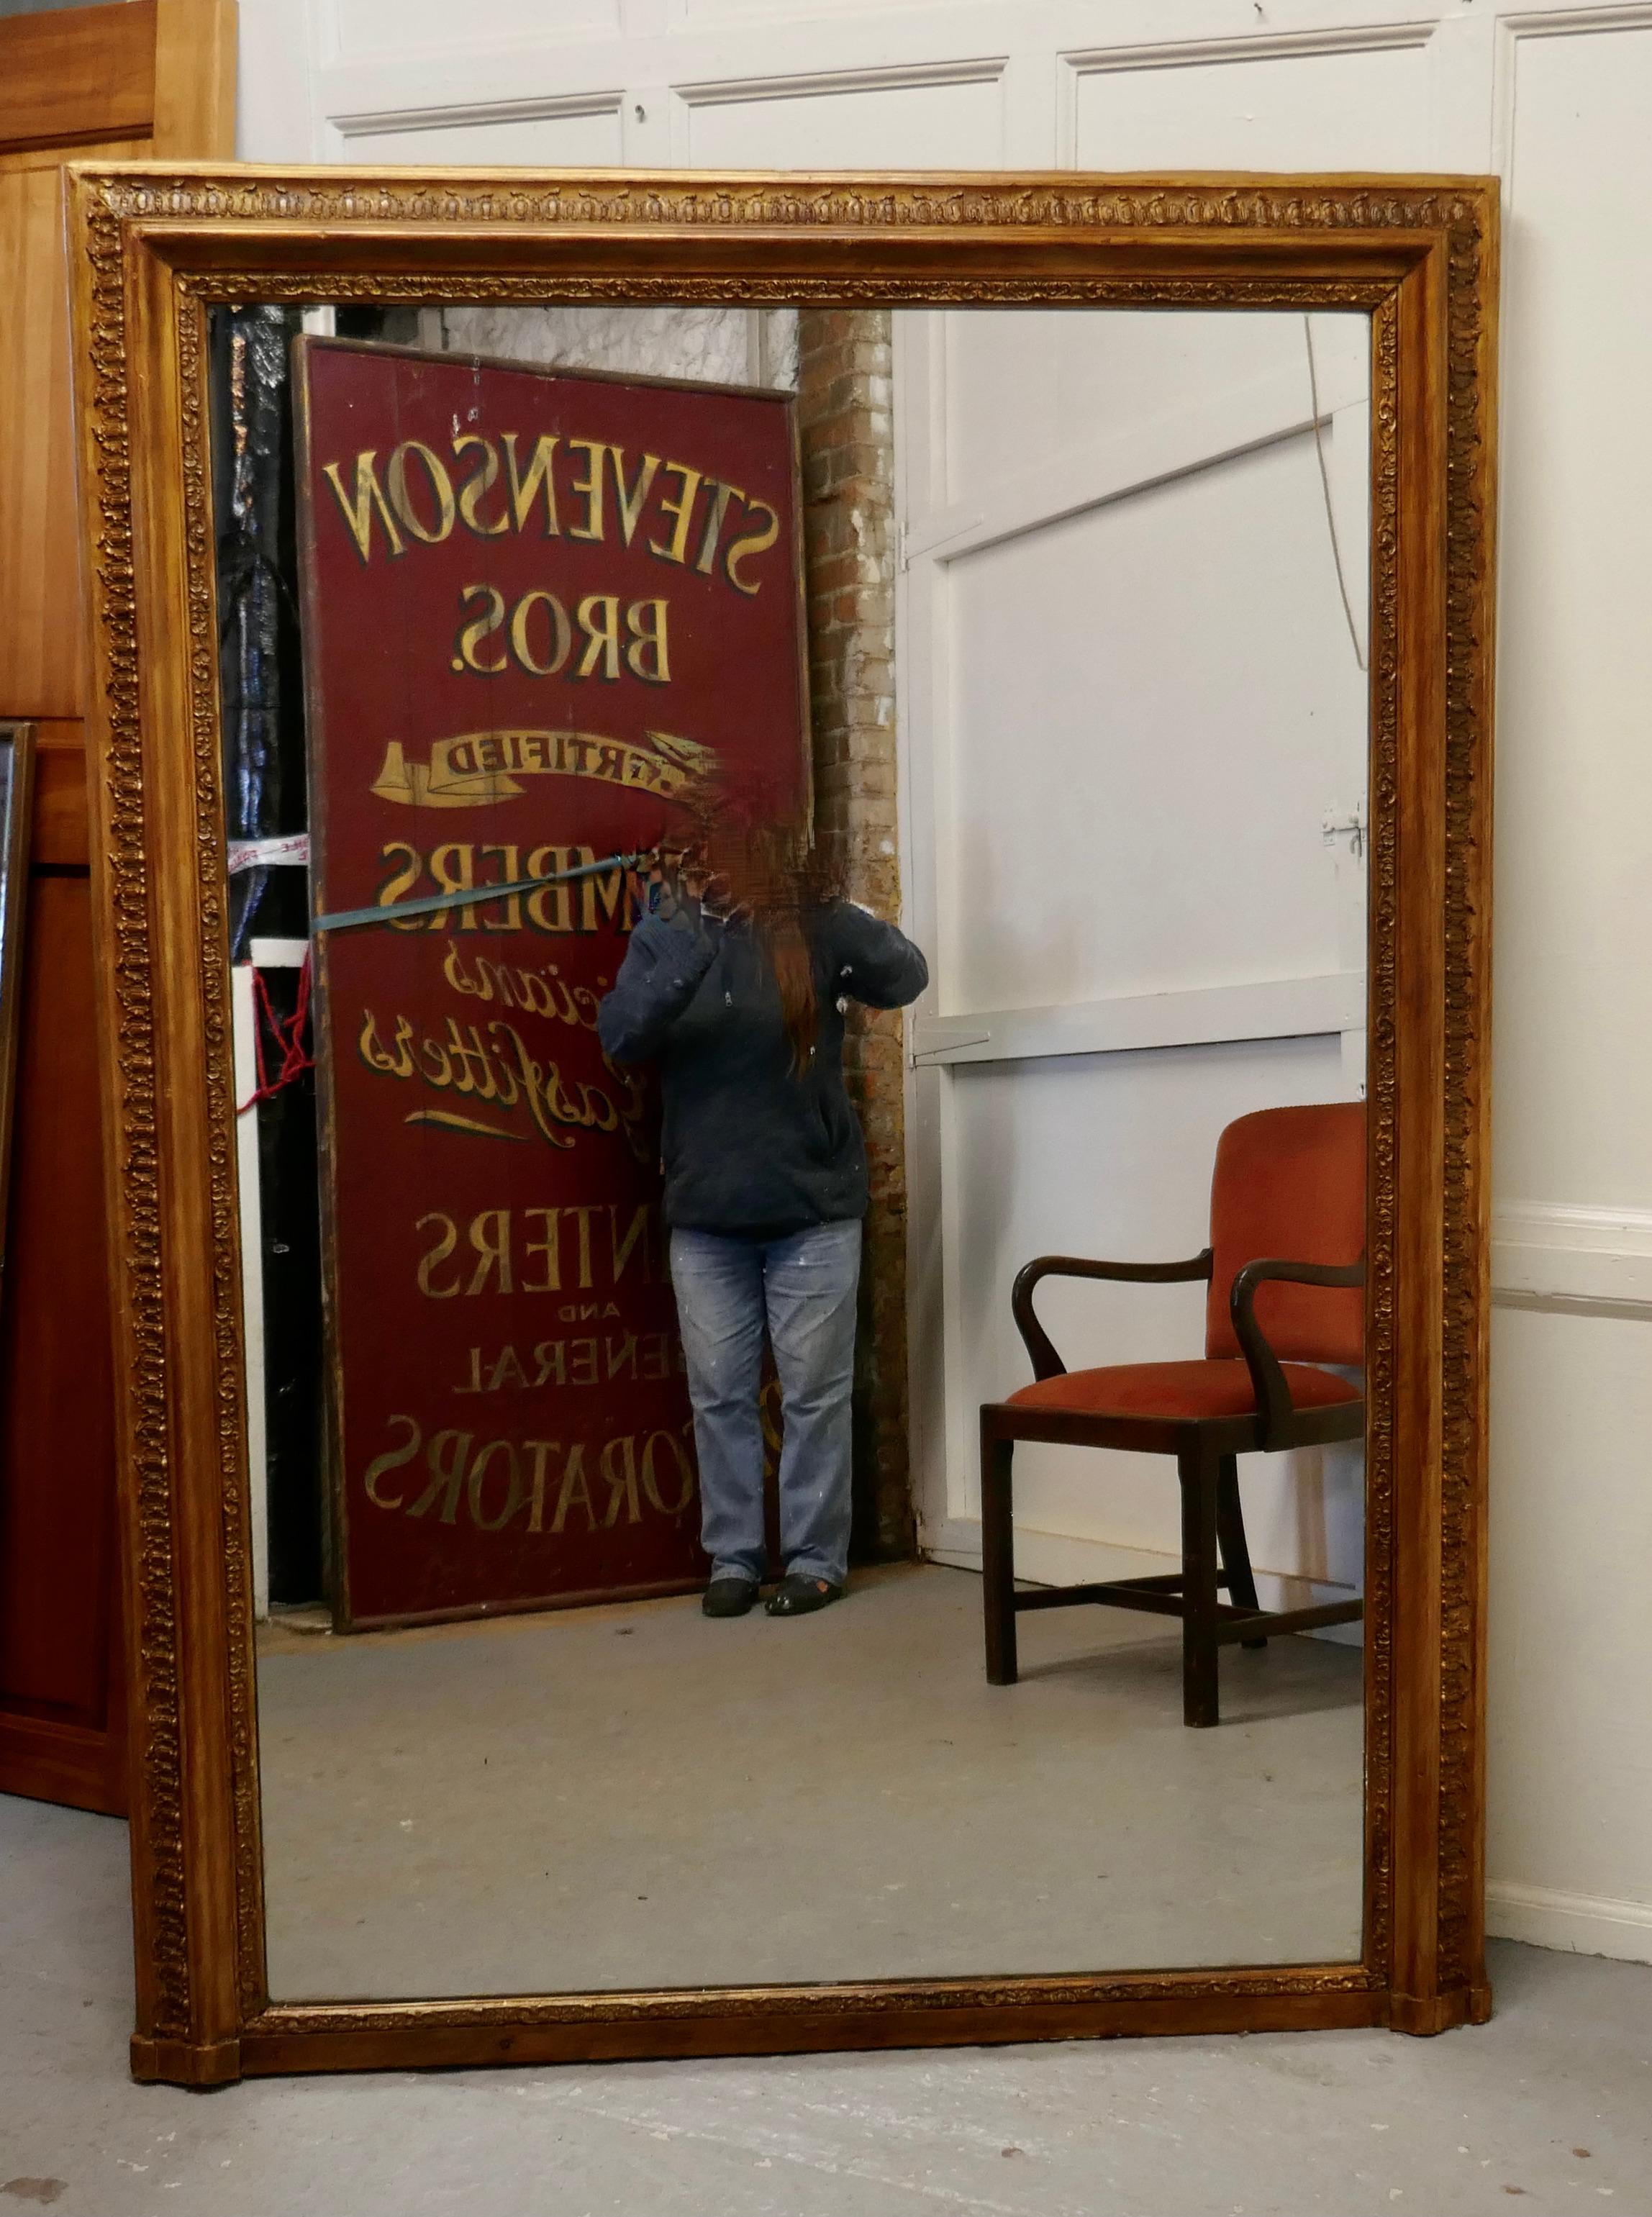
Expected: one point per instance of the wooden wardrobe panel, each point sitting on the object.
(74, 74)
(57, 1399)
(40, 523)
(134, 80)
(61, 834)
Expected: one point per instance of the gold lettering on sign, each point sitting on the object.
(648, 656)
(447, 1241)
(491, 1485)
(551, 1282)
(392, 1459)
(680, 512)
(618, 1357)
(481, 480)
(366, 502)
(473, 636)
(537, 478)
(575, 1490)
(589, 487)
(753, 544)
(445, 1461)
(595, 1247)
(514, 1494)
(599, 619)
(559, 633)
(503, 1071)
(512, 481)
(437, 490)
(479, 770)
(544, 990)
(629, 499)
(721, 496)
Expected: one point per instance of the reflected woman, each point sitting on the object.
(740, 1002)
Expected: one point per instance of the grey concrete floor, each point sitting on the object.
(631, 1796)
(1550, 2103)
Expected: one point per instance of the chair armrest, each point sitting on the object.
(1047, 1363)
(1273, 1394)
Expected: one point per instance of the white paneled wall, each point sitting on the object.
(1289, 103)
(952, 121)
(1555, 98)
(1131, 701)
(571, 137)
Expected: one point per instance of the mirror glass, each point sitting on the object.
(924, 755)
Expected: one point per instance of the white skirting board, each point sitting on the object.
(1582, 1923)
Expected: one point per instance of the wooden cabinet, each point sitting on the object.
(138, 78)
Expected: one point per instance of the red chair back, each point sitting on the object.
(1290, 1183)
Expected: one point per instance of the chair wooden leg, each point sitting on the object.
(1230, 1531)
(998, 1560)
(1198, 1475)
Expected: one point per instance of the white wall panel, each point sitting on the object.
(584, 139)
(1023, 384)
(1263, 106)
(1570, 1759)
(1570, 1818)
(900, 124)
(769, 16)
(364, 29)
(278, 111)
(1155, 705)
(1574, 907)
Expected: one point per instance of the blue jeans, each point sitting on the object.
(803, 1287)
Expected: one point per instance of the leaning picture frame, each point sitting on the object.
(153, 248)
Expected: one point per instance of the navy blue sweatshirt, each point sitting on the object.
(747, 1146)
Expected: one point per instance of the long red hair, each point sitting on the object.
(776, 880)
(794, 973)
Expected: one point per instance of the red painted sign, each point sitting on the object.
(540, 609)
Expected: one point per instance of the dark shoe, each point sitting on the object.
(799, 1596)
(728, 1597)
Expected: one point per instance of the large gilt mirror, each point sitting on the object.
(794, 892)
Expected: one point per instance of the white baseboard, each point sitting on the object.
(1045, 1559)
(1583, 1923)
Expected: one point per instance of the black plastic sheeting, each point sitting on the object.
(261, 683)
(260, 668)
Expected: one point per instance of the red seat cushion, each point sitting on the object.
(1177, 1389)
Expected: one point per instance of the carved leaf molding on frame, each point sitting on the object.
(361, 204)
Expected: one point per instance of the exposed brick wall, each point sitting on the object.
(847, 438)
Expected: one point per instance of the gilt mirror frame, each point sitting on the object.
(153, 248)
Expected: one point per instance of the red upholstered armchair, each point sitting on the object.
(1285, 1268)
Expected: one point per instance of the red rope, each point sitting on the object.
(288, 1034)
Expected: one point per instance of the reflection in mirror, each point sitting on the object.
(661, 698)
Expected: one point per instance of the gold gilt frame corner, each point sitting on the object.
(153, 248)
